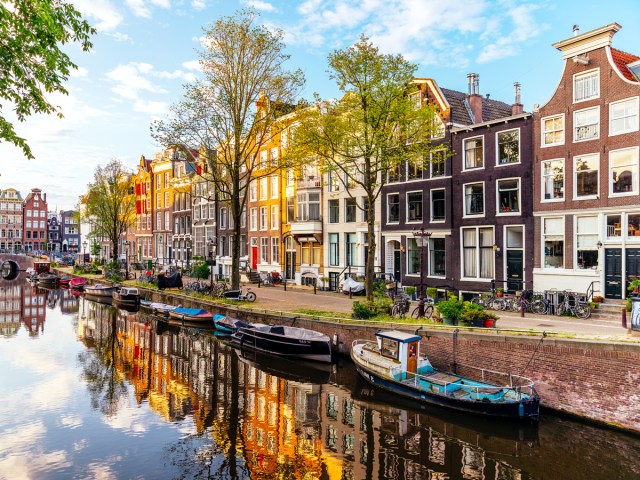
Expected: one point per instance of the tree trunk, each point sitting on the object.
(371, 253)
(236, 212)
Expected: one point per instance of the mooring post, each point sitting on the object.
(624, 317)
(454, 365)
(521, 307)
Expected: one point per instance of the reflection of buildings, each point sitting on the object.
(10, 308)
(33, 308)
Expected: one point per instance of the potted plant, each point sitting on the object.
(500, 291)
(474, 314)
(634, 286)
(598, 299)
(432, 292)
(411, 291)
(490, 319)
(450, 310)
(324, 281)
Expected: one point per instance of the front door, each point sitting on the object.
(632, 263)
(254, 257)
(412, 357)
(514, 270)
(396, 265)
(613, 272)
(290, 265)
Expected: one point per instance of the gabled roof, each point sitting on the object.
(461, 111)
(622, 59)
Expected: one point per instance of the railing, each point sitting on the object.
(310, 182)
(590, 291)
(309, 217)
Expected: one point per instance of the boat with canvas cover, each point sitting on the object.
(228, 325)
(393, 363)
(99, 290)
(126, 296)
(191, 315)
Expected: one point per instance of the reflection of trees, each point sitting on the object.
(106, 385)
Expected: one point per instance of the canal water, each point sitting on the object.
(91, 391)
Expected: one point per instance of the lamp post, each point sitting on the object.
(422, 240)
(211, 243)
(84, 251)
(188, 253)
(126, 257)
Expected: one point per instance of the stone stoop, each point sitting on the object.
(609, 310)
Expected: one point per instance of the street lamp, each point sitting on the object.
(126, 257)
(211, 243)
(422, 240)
(84, 251)
(188, 252)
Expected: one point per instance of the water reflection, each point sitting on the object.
(202, 409)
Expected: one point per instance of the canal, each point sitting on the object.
(91, 391)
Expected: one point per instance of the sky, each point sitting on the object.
(146, 50)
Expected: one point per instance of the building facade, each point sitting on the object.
(70, 231)
(35, 221)
(10, 220)
(54, 234)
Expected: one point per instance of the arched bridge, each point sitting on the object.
(11, 264)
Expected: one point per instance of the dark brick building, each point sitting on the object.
(34, 215)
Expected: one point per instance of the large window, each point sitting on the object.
(509, 195)
(290, 210)
(586, 86)
(587, 242)
(334, 249)
(623, 171)
(350, 248)
(253, 218)
(264, 219)
(334, 211)
(437, 206)
(393, 208)
(414, 168)
(275, 250)
(473, 153)
(477, 257)
(623, 116)
(308, 206)
(264, 249)
(437, 257)
(633, 227)
(474, 199)
(264, 188)
(508, 147)
(414, 207)
(586, 175)
(553, 239)
(553, 130)
(275, 185)
(223, 218)
(614, 226)
(437, 164)
(275, 220)
(586, 124)
(350, 209)
(553, 179)
(413, 257)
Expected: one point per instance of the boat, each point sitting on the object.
(48, 279)
(393, 363)
(191, 315)
(157, 308)
(64, 281)
(126, 296)
(77, 283)
(226, 324)
(99, 290)
(290, 342)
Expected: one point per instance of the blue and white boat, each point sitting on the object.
(227, 325)
(393, 363)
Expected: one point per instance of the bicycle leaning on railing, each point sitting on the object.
(530, 301)
(401, 305)
(573, 305)
(493, 301)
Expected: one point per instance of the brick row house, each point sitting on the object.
(10, 219)
(70, 231)
(35, 221)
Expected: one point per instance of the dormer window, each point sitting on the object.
(416, 100)
(586, 86)
(634, 68)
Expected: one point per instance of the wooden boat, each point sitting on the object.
(99, 290)
(126, 296)
(48, 279)
(191, 315)
(157, 308)
(226, 324)
(77, 283)
(393, 363)
(290, 342)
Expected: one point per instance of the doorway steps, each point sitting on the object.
(609, 310)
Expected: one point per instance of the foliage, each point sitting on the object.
(363, 310)
(244, 66)
(598, 299)
(499, 290)
(95, 248)
(451, 308)
(410, 290)
(629, 301)
(110, 203)
(201, 270)
(634, 285)
(432, 292)
(33, 65)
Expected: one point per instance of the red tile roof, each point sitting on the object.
(621, 59)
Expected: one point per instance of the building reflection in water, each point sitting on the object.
(268, 417)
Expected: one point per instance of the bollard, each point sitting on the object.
(314, 288)
(285, 284)
(521, 308)
(259, 281)
(350, 293)
(624, 318)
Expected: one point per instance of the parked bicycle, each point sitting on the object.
(532, 303)
(199, 286)
(401, 305)
(427, 311)
(219, 288)
(493, 301)
(573, 305)
(247, 296)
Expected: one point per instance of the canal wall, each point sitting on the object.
(595, 380)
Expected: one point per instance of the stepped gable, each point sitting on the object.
(622, 59)
(461, 111)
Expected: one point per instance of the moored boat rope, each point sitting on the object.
(535, 350)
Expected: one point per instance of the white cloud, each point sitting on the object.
(133, 78)
(142, 8)
(103, 11)
(199, 4)
(79, 72)
(260, 5)
(192, 65)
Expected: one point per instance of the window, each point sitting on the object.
(166, 199)
(414, 207)
(158, 181)
(633, 227)
(437, 163)
(508, 147)
(623, 171)
(414, 168)
(415, 99)
(253, 219)
(159, 200)
(264, 188)
(264, 219)
(290, 177)
(334, 249)
(586, 124)
(350, 209)
(393, 173)
(264, 249)
(477, 257)
(290, 210)
(334, 211)
(553, 131)
(473, 153)
(308, 206)
(553, 180)
(223, 218)
(437, 256)
(413, 257)
(553, 239)
(437, 206)
(509, 195)
(586, 175)
(273, 157)
(350, 248)
(474, 199)
(586, 86)
(333, 181)
(263, 160)
(623, 116)
(393, 208)
(614, 226)
(253, 191)
(275, 186)
(275, 250)
(275, 221)
(586, 242)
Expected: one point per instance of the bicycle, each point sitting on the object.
(427, 309)
(578, 308)
(219, 288)
(494, 302)
(529, 301)
(199, 286)
(401, 305)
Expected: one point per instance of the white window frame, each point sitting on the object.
(264, 218)
(542, 241)
(395, 222)
(431, 205)
(575, 123)
(444, 163)
(253, 190)
(635, 174)
(464, 153)
(585, 74)
(595, 233)
(275, 250)
(636, 108)
(498, 164)
(543, 131)
(263, 194)
(477, 278)
(274, 186)
(253, 219)
(499, 211)
(264, 250)
(464, 201)
(275, 220)
(542, 181)
(575, 177)
(406, 206)
(223, 218)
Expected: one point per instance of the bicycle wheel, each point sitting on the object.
(560, 309)
(498, 304)
(396, 311)
(582, 310)
(428, 311)
(251, 297)
(477, 300)
(539, 307)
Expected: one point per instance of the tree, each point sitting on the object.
(243, 66)
(33, 65)
(374, 129)
(110, 202)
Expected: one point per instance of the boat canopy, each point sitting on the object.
(402, 337)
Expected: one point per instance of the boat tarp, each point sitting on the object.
(172, 280)
(189, 311)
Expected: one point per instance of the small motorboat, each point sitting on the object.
(77, 283)
(99, 290)
(191, 315)
(48, 280)
(157, 308)
(126, 296)
(393, 363)
(226, 324)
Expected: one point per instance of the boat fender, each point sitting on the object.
(335, 339)
(521, 410)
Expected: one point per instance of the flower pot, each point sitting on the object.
(448, 321)
(500, 294)
(476, 323)
(489, 323)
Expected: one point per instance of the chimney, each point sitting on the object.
(576, 30)
(517, 108)
(475, 99)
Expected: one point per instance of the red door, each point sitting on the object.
(254, 257)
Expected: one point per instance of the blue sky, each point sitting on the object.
(145, 50)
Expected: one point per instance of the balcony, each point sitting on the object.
(307, 224)
(309, 183)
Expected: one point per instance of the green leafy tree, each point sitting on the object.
(110, 202)
(243, 67)
(33, 65)
(372, 131)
